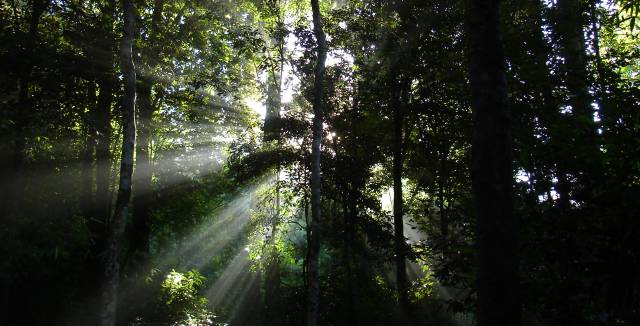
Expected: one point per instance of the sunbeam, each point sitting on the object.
(223, 228)
(234, 280)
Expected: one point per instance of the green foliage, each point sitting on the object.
(629, 12)
(213, 167)
(424, 287)
(181, 299)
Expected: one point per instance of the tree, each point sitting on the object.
(584, 152)
(119, 219)
(497, 247)
(313, 273)
(101, 56)
(204, 243)
(143, 197)
(398, 214)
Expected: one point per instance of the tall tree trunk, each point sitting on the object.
(572, 47)
(274, 80)
(272, 132)
(272, 282)
(585, 140)
(272, 116)
(584, 156)
(549, 116)
(95, 204)
(442, 180)
(497, 248)
(98, 224)
(313, 273)
(305, 263)
(118, 222)
(87, 204)
(398, 214)
(602, 95)
(107, 81)
(103, 151)
(143, 195)
(349, 212)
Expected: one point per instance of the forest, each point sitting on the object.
(320, 162)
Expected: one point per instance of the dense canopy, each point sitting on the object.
(319, 162)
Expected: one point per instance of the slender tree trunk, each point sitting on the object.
(272, 116)
(349, 214)
(273, 272)
(313, 273)
(585, 140)
(584, 156)
(274, 77)
(442, 179)
(572, 46)
(143, 195)
(107, 81)
(550, 114)
(95, 202)
(103, 150)
(87, 204)
(305, 264)
(398, 214)
(143, 192)
(272, 133)
(98, 224)
(272, 282)
(602, 95)
(497, 249)
(87, 200)
(118, 222)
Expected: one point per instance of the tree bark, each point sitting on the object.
(272, 133)
(118, 222)
(87, 204)
(313, 273)
(103, 151)
(143, 195)
(572, 47)
(550, 115)
(585, 151)
(602, 94)
(497, 271)
(349, 212)
(95, 197)
(107, 81)
(272, 116)
(443, 176)
(274, 80)
(398, 214)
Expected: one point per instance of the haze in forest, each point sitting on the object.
(319, 162)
